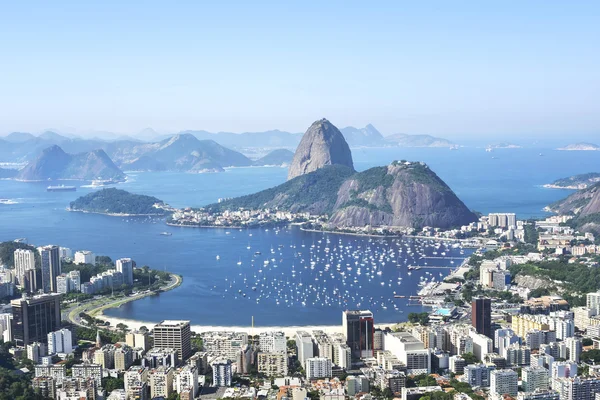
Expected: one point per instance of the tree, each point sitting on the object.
(470, 358)
(111, 384)
(122, 327)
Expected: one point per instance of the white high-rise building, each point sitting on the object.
(534, 378)
(564, 369)
(85, 257)
(573, 348)
(6, 327)
(272, 342)
(125, 266)
(24, 261)
(187, 377)
(318, 367)
(504, 381)
(62, 284)
(60, 341)
(74, 281)
(304, 346)
(593, 302)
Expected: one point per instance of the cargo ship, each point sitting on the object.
(61, 188)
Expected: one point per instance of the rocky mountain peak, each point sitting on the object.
(322, 144)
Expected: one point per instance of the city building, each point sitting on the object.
(176, 335)
(24, 262)
(161, 382)
(504, 381)
(135, 379)
(273, 364)
(125, 266)
(481, 315)
(44, 386)
(50, 267)
(123, 356)
(272, 342)
(84, 257)
(35, 352)
(538, 395)
(534, 378)
(478, 375)
(304, 346)
(137, 339)
(358, 327)
(573, 348)
(187, 378)
(318, 367)
(410, 351)
(60, 341)
(57, 372)
(222, 372)
(577, 388)
(35, 317)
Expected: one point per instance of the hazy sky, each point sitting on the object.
(453, 68)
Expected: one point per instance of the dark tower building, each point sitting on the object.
(481, 315)
(34, 318)
(359, 330)
(51, 267)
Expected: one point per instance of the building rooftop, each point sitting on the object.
(168, 322)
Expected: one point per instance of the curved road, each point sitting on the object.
(94, 307)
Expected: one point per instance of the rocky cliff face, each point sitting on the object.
(322, 144)
(54, 163)
(582, 203)
(401, 194)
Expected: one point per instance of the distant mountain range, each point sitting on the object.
(54, 164)
(322, 180)
(580, 147)
(23, 146)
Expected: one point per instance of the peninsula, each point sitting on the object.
(577, 182)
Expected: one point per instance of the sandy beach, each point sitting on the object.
(289, 331)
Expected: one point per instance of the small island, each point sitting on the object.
(575, 182)
(116, 202)
(581, 147)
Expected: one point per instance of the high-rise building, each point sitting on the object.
(35, 352)
(186, 377)
(573, 348)
(534, 378)
(504, 381)
(539, 395)
(44, 386)
(51, 267)
(161, 382)
(272, 364)
(125, 266)
(272, 342)
(87, 370)
(577, 388)
(60, 341)
(24, 261)
(318, 367)
(85, 257)
(175, 335)
(359, 330)
(593, 302)
(35, 317)
(222, 372)
(304, 346)
(481, 315)
(478, 374)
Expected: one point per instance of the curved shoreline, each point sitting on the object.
(114, 214)
(99, 306)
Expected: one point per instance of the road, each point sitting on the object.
(94, 307)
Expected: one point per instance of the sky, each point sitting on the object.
(461, 69)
